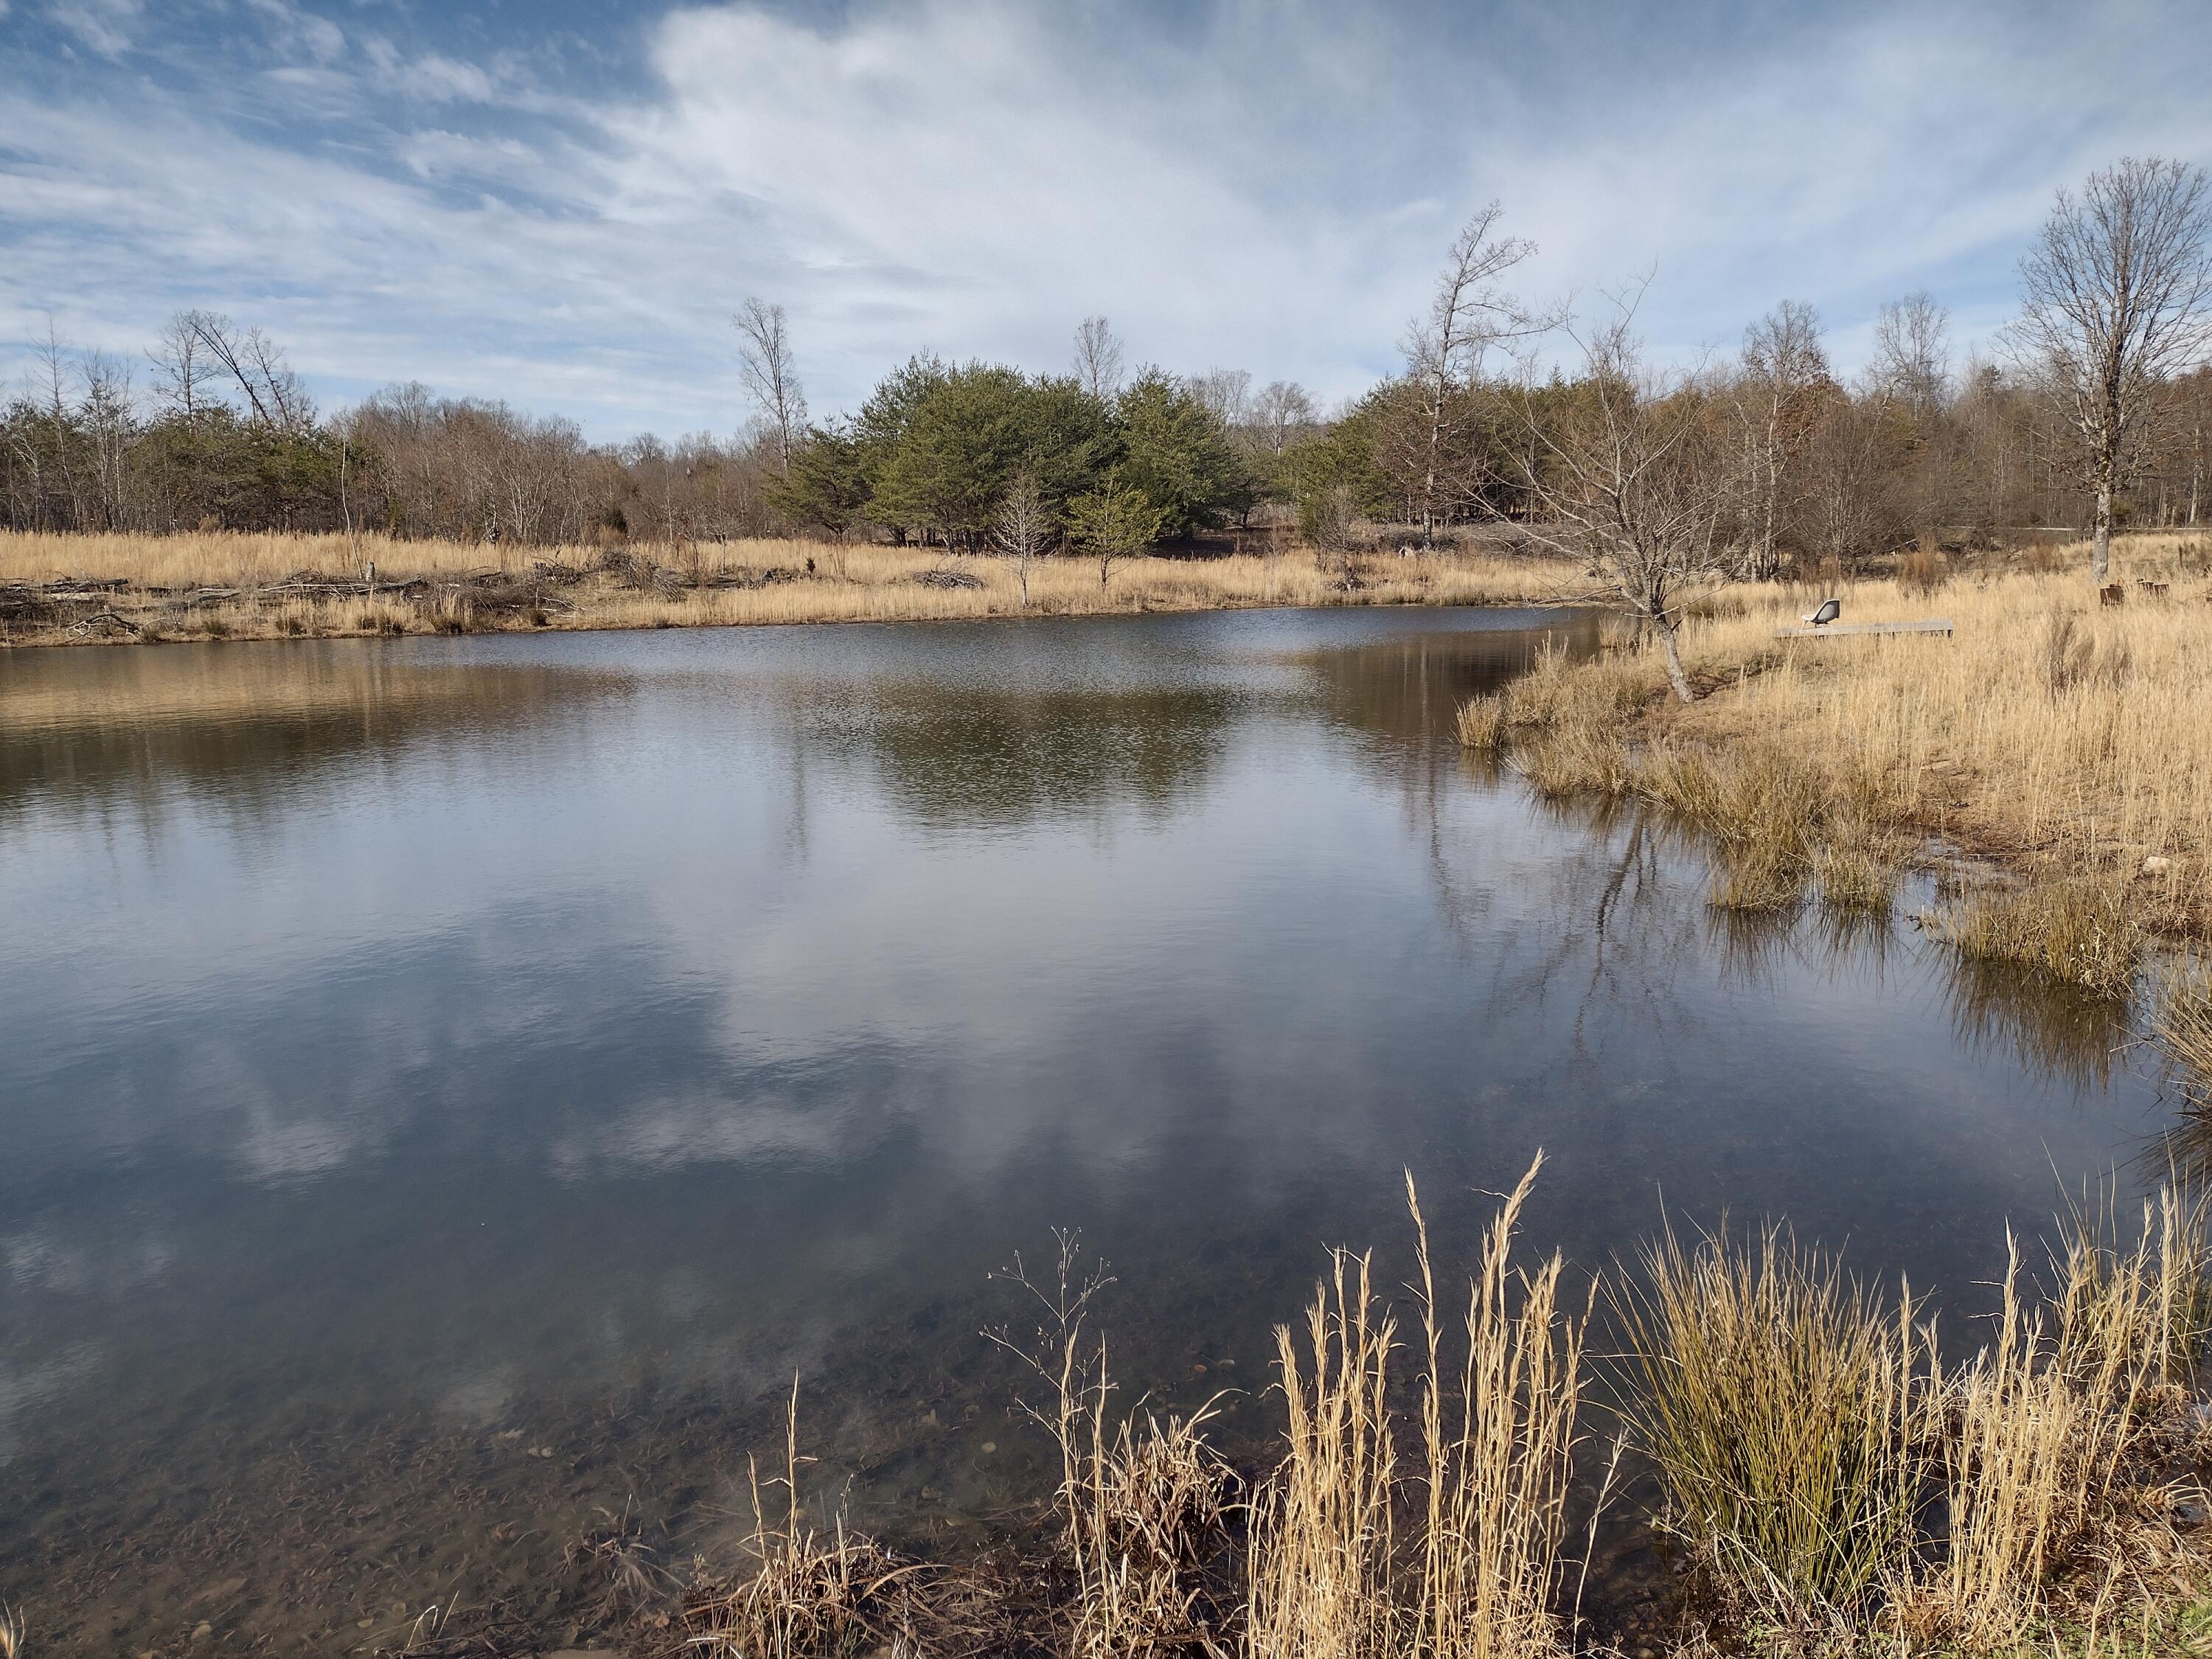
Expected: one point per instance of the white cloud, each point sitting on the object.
(1267, 184)
(106, 27)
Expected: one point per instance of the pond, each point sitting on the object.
(451, 1088)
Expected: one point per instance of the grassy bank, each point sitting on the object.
(2069, 741)
(77, 589)
(1830, 1477)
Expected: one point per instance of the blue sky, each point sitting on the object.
(561, 203)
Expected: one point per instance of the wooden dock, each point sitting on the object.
(1930, 625)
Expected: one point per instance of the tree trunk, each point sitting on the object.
(2101, 562)
(1676, 676)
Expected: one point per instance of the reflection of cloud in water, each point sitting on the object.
(40, 1258)
(761, 1009)
(665, 1134)
(26, 1386)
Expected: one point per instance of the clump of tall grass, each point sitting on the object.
(1763, 809)
(1578, 758)
(11, 1634)
(1832, 1476)
(1776, 1399)
(1495, 1525)
(1143, 1508)
(1481, 722)
(1923, 571)
(2075, 657)
(2183, 1022)
(809, 1597)
(1857, 866)
(2077, 931)
(2040, 1431)
(1477, 1574)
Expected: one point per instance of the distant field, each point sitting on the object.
(60, 589)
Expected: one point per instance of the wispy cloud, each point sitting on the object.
(568, 219)
(106, 27)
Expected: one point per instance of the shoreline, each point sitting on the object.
(2064, 742)
(60, 591)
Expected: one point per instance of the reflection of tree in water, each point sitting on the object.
(962, 755)
(2062, 1033)
(1411, 687)
(238, 725)
(1628, 912)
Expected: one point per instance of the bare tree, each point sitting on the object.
(1777, 406)
(771, 374)
(1227, 393)
(110, 426)
(1097, 359)
(1629, 474)
(184, 374)
(1023, 526)
(1913, 354)
(1444, 350)
(256, 364)
(2115, 302)
(1281, 414)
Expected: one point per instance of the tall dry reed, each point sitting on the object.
(1341, 1563)
(1494, 1526)
(1323, 1529)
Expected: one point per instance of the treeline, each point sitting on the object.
(214, 430)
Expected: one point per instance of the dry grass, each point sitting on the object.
(1776, 1399)
(1481, 722)
(1801, 1430)
(2183, 1023)
(1143, 1508)
(2060, 736)
(1495, 1525)
(11, 1634)
(1476, 1574)
(1323, 1529)
(809, 1597)
(220, 586)
(2077, 930)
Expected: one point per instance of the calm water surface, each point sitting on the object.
(449, 1088)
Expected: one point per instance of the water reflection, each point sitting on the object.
(99, 731)
(414, 1043)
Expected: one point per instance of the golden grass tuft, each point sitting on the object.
(2077, 931)
(1481, 722)
(12, 1637)
(2182, 1022)
(1801, 1430)
(1775, 1397)
(809, 1597)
